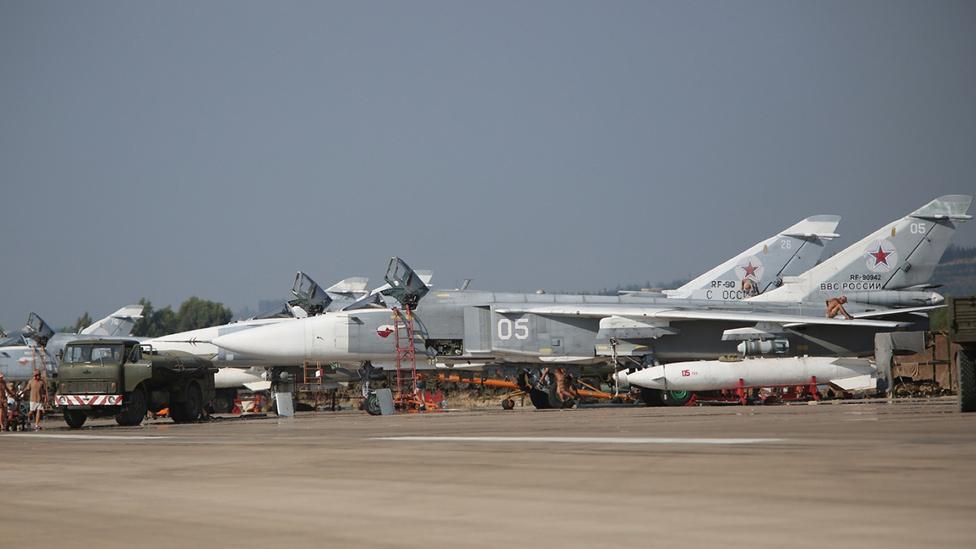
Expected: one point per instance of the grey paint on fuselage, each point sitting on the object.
(568, 337)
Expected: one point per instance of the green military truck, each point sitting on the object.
(122, 378)
(963, 331)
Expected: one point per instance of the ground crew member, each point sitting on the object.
(4, 393)
(38, 397)
(835, 306)
(749, 288)
(564, 387)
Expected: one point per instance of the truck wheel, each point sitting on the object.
(191, 407)
(134, 409)
(74, 418)
(675, 398)
(652, 397)
(967, 381)
(372, 405)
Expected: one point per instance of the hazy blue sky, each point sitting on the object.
(169, 149)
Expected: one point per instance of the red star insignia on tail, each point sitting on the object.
(750, 270)
(880, 256)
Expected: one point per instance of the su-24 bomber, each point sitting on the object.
(791, 251)
(767, 305)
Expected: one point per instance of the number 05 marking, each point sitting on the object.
(520, 331)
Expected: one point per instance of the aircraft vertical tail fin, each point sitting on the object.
(902, 254)
(762, 266)
(117, 324)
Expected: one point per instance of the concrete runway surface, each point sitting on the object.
(833, 475)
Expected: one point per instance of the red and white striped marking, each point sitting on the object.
(89, 400)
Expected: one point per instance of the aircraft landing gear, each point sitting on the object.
(371, 404)
(658, 397)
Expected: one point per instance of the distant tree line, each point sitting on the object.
(193, 313)
(954, 252)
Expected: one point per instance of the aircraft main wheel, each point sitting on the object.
(223, 402)
(74, 418)
(372, 405)
(675, 398)
(191, 407)
(508, 404)
(540, 399)
(133, 409)
(652, 397)
(967, 381)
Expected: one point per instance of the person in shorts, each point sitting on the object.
(38, 396)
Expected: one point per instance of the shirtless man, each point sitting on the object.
(4, 393)
(835, 307)
(564, 389)
(38, 396)
(749, 288)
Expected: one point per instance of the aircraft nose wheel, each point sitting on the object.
(508, 404)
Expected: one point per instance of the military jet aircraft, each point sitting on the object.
(550, 329)
(38, 345)
(877, 267)
(762, 265)
(240, 370)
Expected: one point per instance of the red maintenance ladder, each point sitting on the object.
(408, 396)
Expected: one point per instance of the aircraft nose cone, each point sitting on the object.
(285, 340)
(649, 378)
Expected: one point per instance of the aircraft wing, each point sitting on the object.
(673, 314)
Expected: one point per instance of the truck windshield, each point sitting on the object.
(93, 353)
